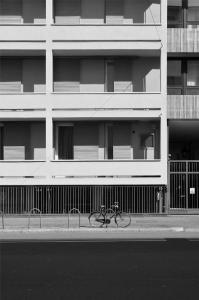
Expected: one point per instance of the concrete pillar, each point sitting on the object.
(49, 90)
(101, 153)
(49, 12)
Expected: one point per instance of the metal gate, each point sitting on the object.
(184, 186)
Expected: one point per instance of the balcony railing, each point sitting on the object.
(183, 40)
(183, 106)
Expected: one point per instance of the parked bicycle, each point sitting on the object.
(105, 216)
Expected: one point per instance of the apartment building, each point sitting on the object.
(83, 105)
(183, 105)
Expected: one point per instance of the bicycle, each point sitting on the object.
(104, 217)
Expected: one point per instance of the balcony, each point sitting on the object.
(114, 75)
(106, 12)
(19, 12)
(183, 107)
(183, 40)
(22, 75)
(107, 141)
(22, 141)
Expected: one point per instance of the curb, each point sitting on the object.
(100, 230)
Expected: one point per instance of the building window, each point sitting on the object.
(175, 13)
(193, 13)
(183, 77)
(174, 79)
(183, 13)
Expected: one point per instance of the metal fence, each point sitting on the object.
(61, 199)
(184, 185)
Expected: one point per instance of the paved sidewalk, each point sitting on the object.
(56, 227)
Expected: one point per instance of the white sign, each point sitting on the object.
(192, 191)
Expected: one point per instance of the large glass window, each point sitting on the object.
(183, 77)
(174, 79)
(193, 77)
(193, 13)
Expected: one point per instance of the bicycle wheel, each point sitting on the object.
(123, 220)
(96, 219)
(109, 216)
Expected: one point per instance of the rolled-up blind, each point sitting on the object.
(10, 11)
(67, 11)
(114, 11)
(14, 152)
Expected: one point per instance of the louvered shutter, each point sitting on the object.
(14, 152)
(11, 11)
(92, 75)
(66, 75)
(123, 75)
(86, 142)
(11, 76)
(114, 11)
(121, 142)
(67, 11)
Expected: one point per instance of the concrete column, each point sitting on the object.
(101, 153)
(49, 90)
(49, 12)
(49, 71)
(49, 135)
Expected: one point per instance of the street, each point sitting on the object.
(136, 269)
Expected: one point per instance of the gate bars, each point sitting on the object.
(61, 199)
(184, 185)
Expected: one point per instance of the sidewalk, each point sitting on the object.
(56, 227)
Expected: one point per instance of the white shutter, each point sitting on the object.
(11, 87)
(14, 152)
(114, 11)
(39, 153)
(86, 152)
(67, 86)
(67, 11)
(122, 152)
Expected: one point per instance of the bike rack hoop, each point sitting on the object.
(2, 218)
(32, 212)
(74, 209)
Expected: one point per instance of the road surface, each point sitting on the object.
(154, 269)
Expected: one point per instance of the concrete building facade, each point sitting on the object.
(84, 114)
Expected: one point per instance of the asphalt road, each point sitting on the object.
(162, 269)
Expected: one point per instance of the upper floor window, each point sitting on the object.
(183, 77)
(183, 13)
(106, 11)
(22, 12)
